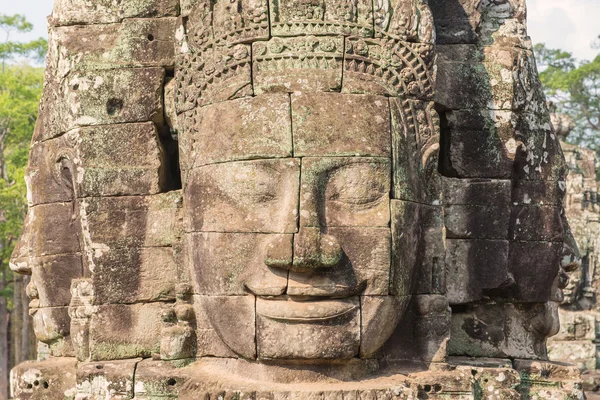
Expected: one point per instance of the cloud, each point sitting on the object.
(570, 25)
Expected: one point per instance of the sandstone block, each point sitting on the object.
(233, 320)
(469, 154)
(132, 221)
(124, 159)
(120, 331)
(330, 124)
(502, 330)
(406, 237)
(379, 318)
(209, 344)
(389, 67)
(249, 128)
(312, 64)
(476, 192)
(415, 150)
(228, 263)
(534, 266)
(287, 329)
(53, 230)
(110, 97)
(132, 43)
(537, 193)
(71, 12)
(134, 275)
(51, 277)
(157, 380)
(579, 353)
(422, 333)
(44, 183)
(326, 19)
(244, 196)
(99, 380)
(536, 223)
(51, 326)
(212, 75)
(476, 222)
(364, 265)
(50, 379)
(474, 267)
(344, 191)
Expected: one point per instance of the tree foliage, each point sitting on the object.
(20, 91)
(9, 50)
(574, 87)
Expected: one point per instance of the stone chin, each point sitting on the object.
(50, 324)
(298, 328)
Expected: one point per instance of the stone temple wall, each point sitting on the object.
(577, 341)
(247, 199)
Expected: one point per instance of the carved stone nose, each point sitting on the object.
(314, 250)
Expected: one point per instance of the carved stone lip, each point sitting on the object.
(293, 310)
(34, 305)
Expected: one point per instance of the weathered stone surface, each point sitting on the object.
(130, 275)
(215, 74)
(535, 193)
(114, 379)
(476, 192)
(292, 18)
(70, 12)
(244, 196)
(51, 326)
(132, 221)
(503, 330)
(228, 263)
(263, 196)
(53, 230)
(50, 379)
(345, 191)
(258, 128)
(475, 267)
(209, 344)
(233, 319)
(51, 279)
(422, 333)
(379, 318)
(114, 160)
(388, 67)
(476, 222)
(415, 149)
(133, 43)
(330, 329)
(330, 124)
(536, 223)
(534, 266)
(104, 97)
(536, 375)
(120, 331)
(313, 64)
(417, 249)
(363, 264)
(579, 353)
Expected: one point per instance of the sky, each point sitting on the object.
(570, 25)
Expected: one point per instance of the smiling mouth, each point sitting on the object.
(34, 304)
(295, 310)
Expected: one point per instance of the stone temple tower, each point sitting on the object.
(294, 199)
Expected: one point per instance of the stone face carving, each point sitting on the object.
(290, 198)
